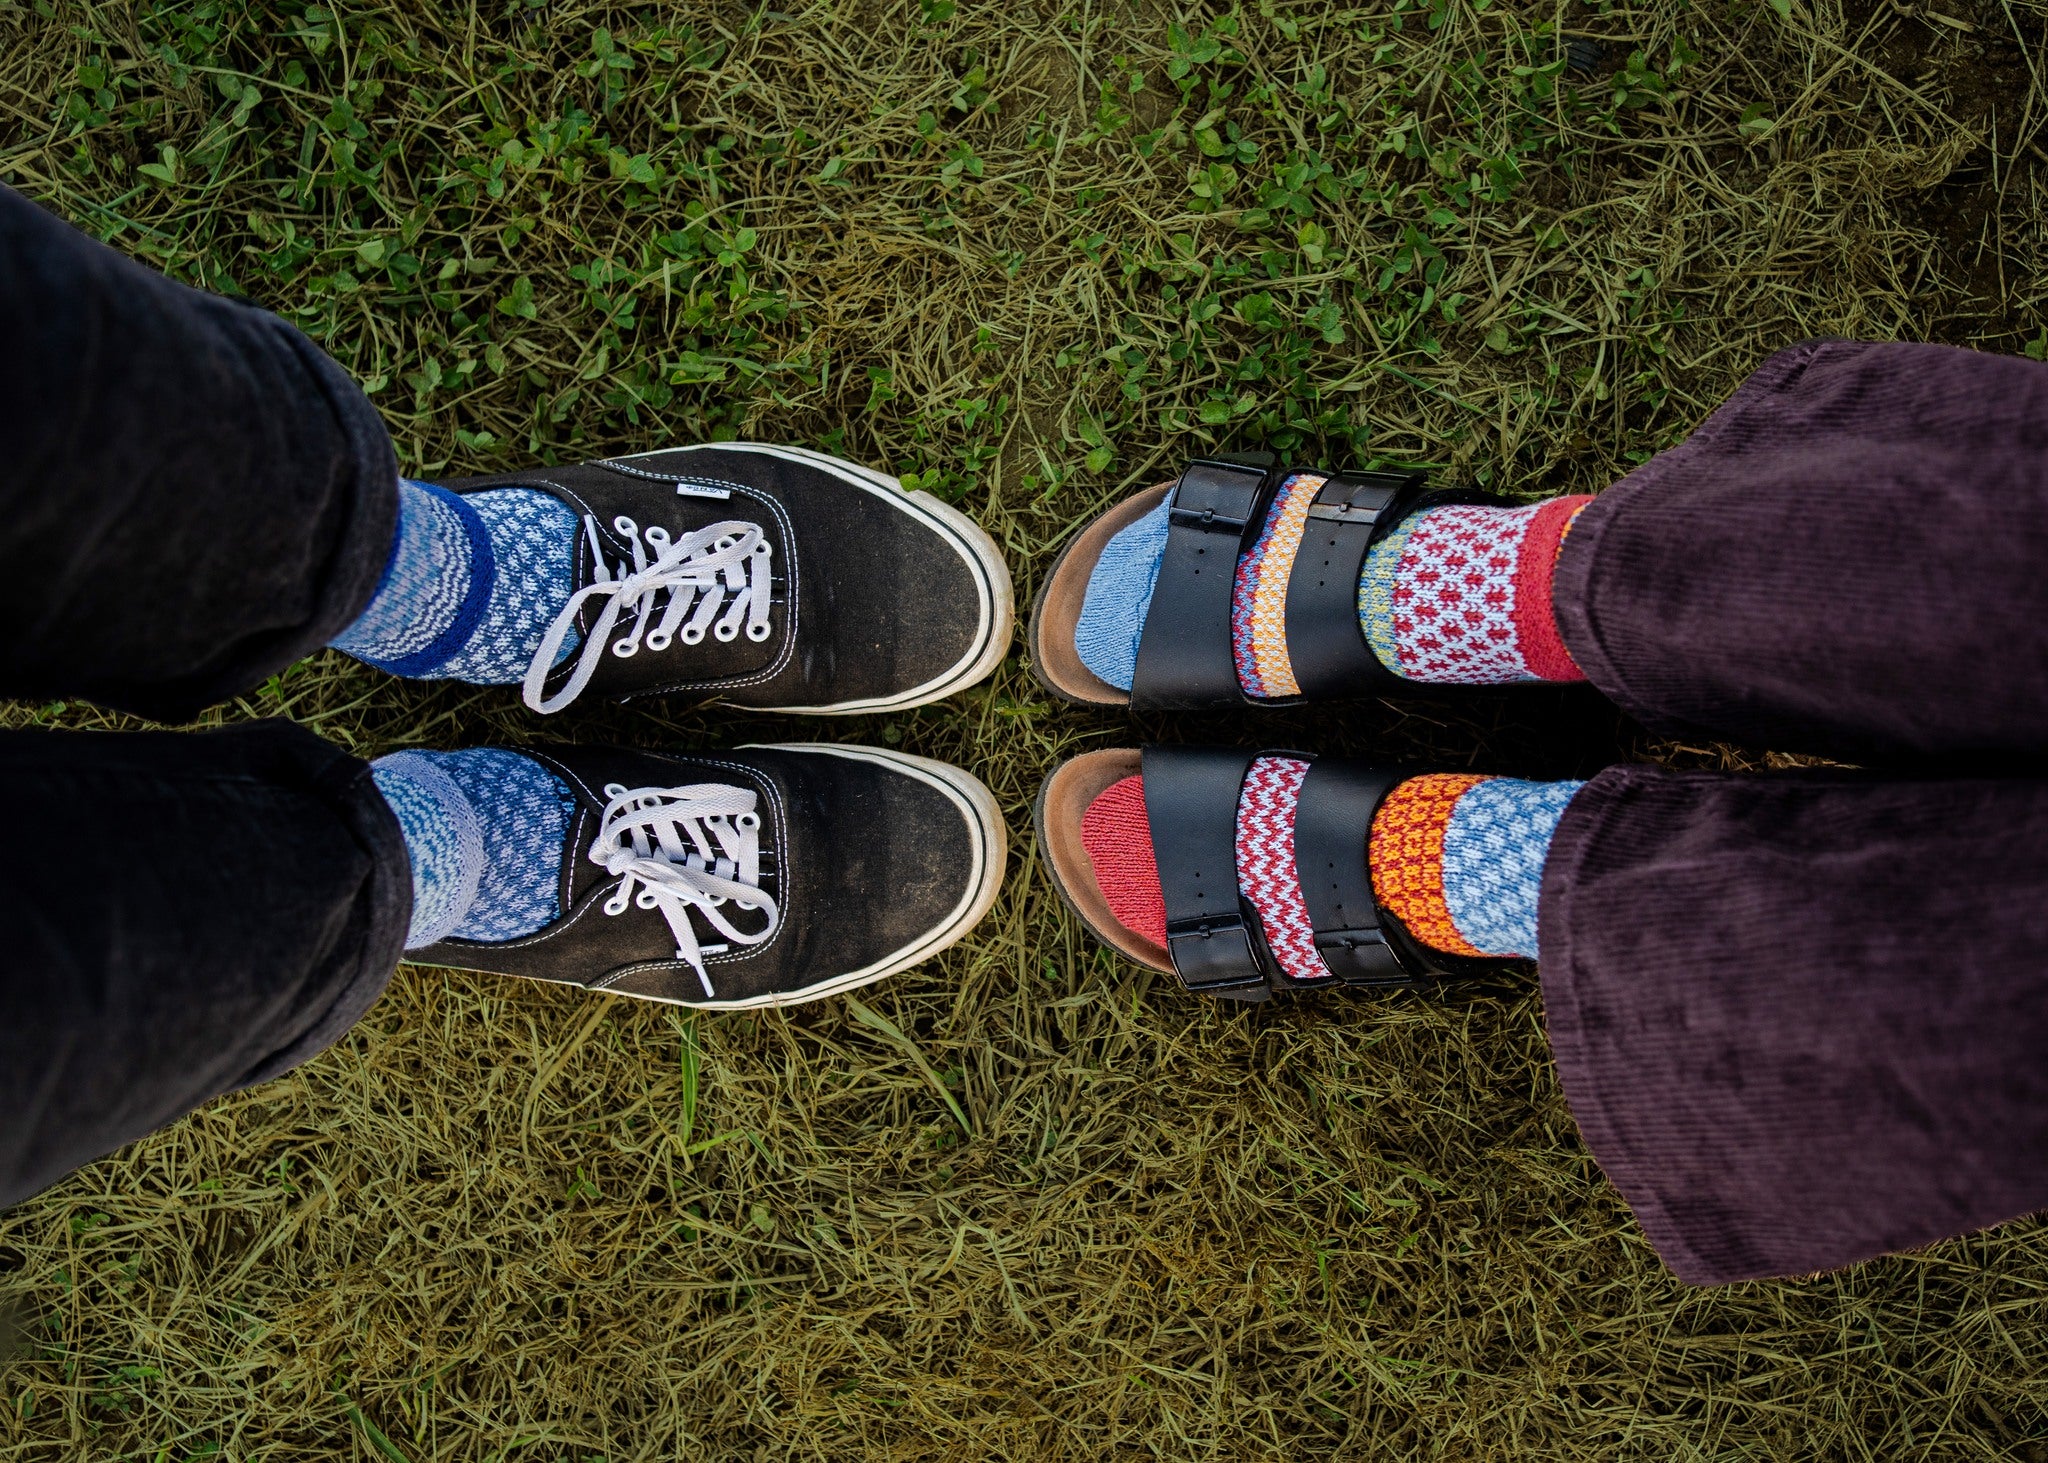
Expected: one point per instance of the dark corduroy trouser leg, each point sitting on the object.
(194, 497)
(1801, 1018)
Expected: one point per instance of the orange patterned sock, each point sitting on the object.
(1406, 856)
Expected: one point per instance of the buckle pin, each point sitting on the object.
(1207, 519)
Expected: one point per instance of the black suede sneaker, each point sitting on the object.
(761, 877)
(763, 576)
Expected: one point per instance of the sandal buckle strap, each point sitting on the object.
(1214, 953)
(1325, 643)
(1213, 936)
(1361, 957)
(1184, 653)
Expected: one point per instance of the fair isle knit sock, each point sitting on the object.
(1462, 595)
(1258, 604)
(472, 584)
(1458, 859)
(1454, 594)
(484, 829)
(1120, 589)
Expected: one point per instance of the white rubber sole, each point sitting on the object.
(990, 855)
(996, 609)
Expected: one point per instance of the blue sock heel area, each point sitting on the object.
(434, 589)
(1119, 591)
(1495, 846)
(472, 584)
(485, 830)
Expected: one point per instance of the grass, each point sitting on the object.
(1025, 1202)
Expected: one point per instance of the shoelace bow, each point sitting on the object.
(700, 570)
(681, 848)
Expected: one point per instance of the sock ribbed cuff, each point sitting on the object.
(485, 830)
(434, 589)
(1542, 647)
(443, 840)
(1462, 595)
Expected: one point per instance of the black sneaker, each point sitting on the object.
(771, 577)
(760, 877)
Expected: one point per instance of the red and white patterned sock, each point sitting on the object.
(1461, 595)
(1118, 838)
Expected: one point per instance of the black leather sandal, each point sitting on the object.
(1219, 505)
(1215, 942)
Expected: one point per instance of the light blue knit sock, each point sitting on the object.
(472, 584)
(1494, 848)
(484, 829)
(1119, 590)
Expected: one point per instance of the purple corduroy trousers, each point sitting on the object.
(1802, 1018)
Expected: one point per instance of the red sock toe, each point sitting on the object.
(1118, 837)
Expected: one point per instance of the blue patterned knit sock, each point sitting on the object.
(484, 829)
(1495, 844)
(471, 586)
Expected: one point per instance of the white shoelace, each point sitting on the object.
(659, 842)
(700, 569)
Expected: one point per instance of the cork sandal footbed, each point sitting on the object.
(1057, 611)
(1061, 804)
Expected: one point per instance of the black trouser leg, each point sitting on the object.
(187, 914)
(1845, 558)
(1800, 1016)
(192, 497)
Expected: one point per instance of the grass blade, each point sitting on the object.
(876, 1021)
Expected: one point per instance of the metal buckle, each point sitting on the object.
(1358, 497)
(1372, 959)
(1205, 957)
(1218, 497)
